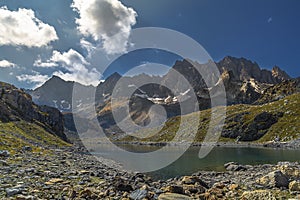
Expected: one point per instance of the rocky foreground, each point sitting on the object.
(65, 174)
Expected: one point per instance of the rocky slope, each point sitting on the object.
(17, 107)
(277, 121)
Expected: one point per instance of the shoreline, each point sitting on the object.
(82, 177)
(295, 144)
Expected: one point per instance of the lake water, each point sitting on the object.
(190, 163)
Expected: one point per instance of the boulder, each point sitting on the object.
(294, 186)
(233, 166)
(138, 194)
(274, 179)
(174, 189)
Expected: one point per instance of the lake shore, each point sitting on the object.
(295, 144)
(69, 174)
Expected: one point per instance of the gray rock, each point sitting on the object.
(27, 148)
(138, 194)
(3, 163)
(233, 166)
(14, 191)
(4, 153)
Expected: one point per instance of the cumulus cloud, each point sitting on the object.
(74, 65)
(6, 63)
(21, 27)
(108, 21)
(35, 78)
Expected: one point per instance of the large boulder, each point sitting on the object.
(274, 179)
(294, 186)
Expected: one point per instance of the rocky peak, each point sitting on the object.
(280, 74)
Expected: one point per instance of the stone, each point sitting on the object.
(22, 197)
(191, 180)
(124, 187)
(173, 196)
(258, 195)
(3, 163)
(233, 166)
(274, 179)
(138, 194)
(14, 191)
(174, 189)
(54, 181)
(27, 148)
(292, 172)
(294, 186)
(4, 153)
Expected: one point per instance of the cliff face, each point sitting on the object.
(16, 105)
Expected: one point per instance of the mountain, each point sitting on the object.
(245, 83)
(57, 93)
(24, 122)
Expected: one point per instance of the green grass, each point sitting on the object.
(15, 135)
(287, 127)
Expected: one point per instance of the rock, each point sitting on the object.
(86, 193)
(172, 196)
(191, 180)
(14, 191)
(138, 194)
(4, 153)
(27, 148)
(22, 197)
(124, 187)
(174, 189)
(294, 186)
(274, 179)
(258, 195)
(3, 163)
(292, 172)
(233, 166)
(54, 181)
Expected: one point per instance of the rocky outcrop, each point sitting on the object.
(279, 91)
(16, 105)
(279, 74)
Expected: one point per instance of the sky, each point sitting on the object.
(77, 39)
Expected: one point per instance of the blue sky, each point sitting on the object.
(266, 32)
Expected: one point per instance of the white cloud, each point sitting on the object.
(6, 63)
(108, 21)
(90, 48)
(21, 27)
(35, 78)
(39, 63)
(69, 58)
(74, 65)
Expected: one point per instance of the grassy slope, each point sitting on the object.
(15, 135)
(288, 127)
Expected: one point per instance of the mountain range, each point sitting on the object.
(245, 83)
